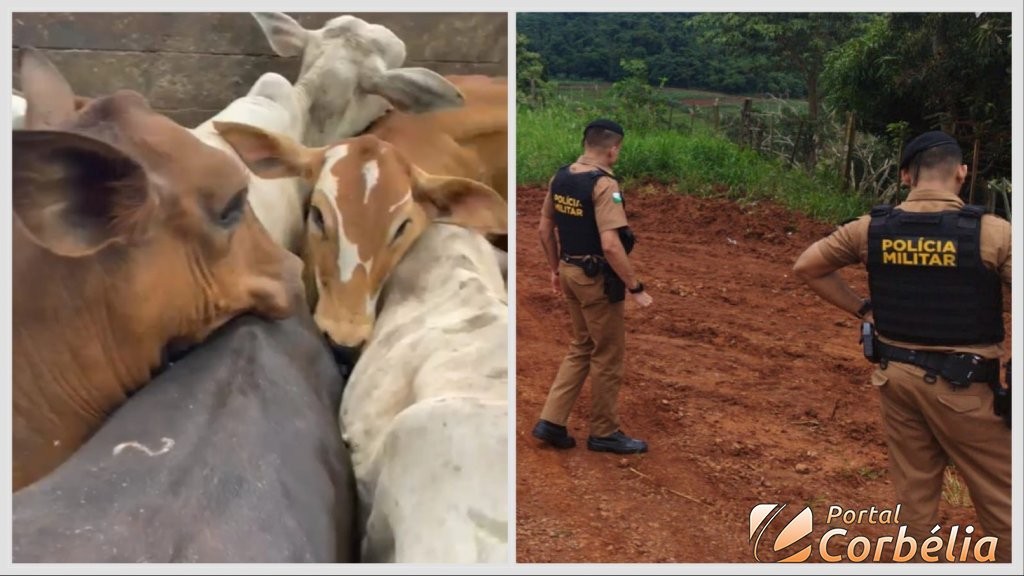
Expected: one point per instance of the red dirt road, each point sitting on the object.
(748, 388)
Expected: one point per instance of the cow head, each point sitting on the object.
(369, 205)
(160, 216)
(351, 74)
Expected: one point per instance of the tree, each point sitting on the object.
(530, 82)
(637, 99)
(785, 41)
(592, 46)
(948, 70)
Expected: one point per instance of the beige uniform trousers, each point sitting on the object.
(928, 425)
(597, 348)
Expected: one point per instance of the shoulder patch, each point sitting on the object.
(617, 197)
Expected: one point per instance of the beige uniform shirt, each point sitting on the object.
(849, 245)
(607, 209)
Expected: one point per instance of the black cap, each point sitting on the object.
(926, 141)
(605, 124)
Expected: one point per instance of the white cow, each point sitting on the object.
(425, 411)
(272, 104)
(351, 75)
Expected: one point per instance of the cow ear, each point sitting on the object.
(50, 100)
(74, 195)
(414, 90)
(271, 155)
(286, 36)
(461, 201)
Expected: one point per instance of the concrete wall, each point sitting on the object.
(190, 65)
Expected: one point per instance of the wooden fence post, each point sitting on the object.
(796, 143)
(974, 166)
(717, 118)
(746, 138)
(851, 135)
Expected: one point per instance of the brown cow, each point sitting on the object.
(478, 89)
(470, 141)
(373, 198)
(130, 235)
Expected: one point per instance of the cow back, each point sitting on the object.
(429, 399)
(470, 141)
(230, 455)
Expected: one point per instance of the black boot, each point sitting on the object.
(554, 434)
(618, 443)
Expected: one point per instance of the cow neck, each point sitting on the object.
(303, 101)
(89, 363)
(326, 125)
(444, 263)
(377, 121)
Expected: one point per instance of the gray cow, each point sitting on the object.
(230, 455)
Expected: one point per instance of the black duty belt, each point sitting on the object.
(960, 369)
(591, 264)
(579, 260)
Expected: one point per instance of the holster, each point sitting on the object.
(868, 340)
(628, 238)
(614, 287)
(1001, 403)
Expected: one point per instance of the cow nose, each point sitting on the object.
(345, 356)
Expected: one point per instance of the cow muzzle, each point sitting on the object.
(346, 339)
(345, 356)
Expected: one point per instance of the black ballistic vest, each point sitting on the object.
(573, 198)
(928, 282)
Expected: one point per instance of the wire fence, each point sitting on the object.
(781, 128)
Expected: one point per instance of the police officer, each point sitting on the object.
(590, 265)
(935, 273)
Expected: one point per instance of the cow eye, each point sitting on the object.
(401, 230)
(233, 210)
(317, 218)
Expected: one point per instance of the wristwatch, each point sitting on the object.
(865, 307)
(639, 288)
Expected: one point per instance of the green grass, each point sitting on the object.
(699, 163)
(680, 93)
(579, 90)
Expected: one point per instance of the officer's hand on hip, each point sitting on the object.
(643, 299)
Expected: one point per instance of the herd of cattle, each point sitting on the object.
(175, 400)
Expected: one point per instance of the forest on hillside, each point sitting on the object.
(590, 46)
(893, 75)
